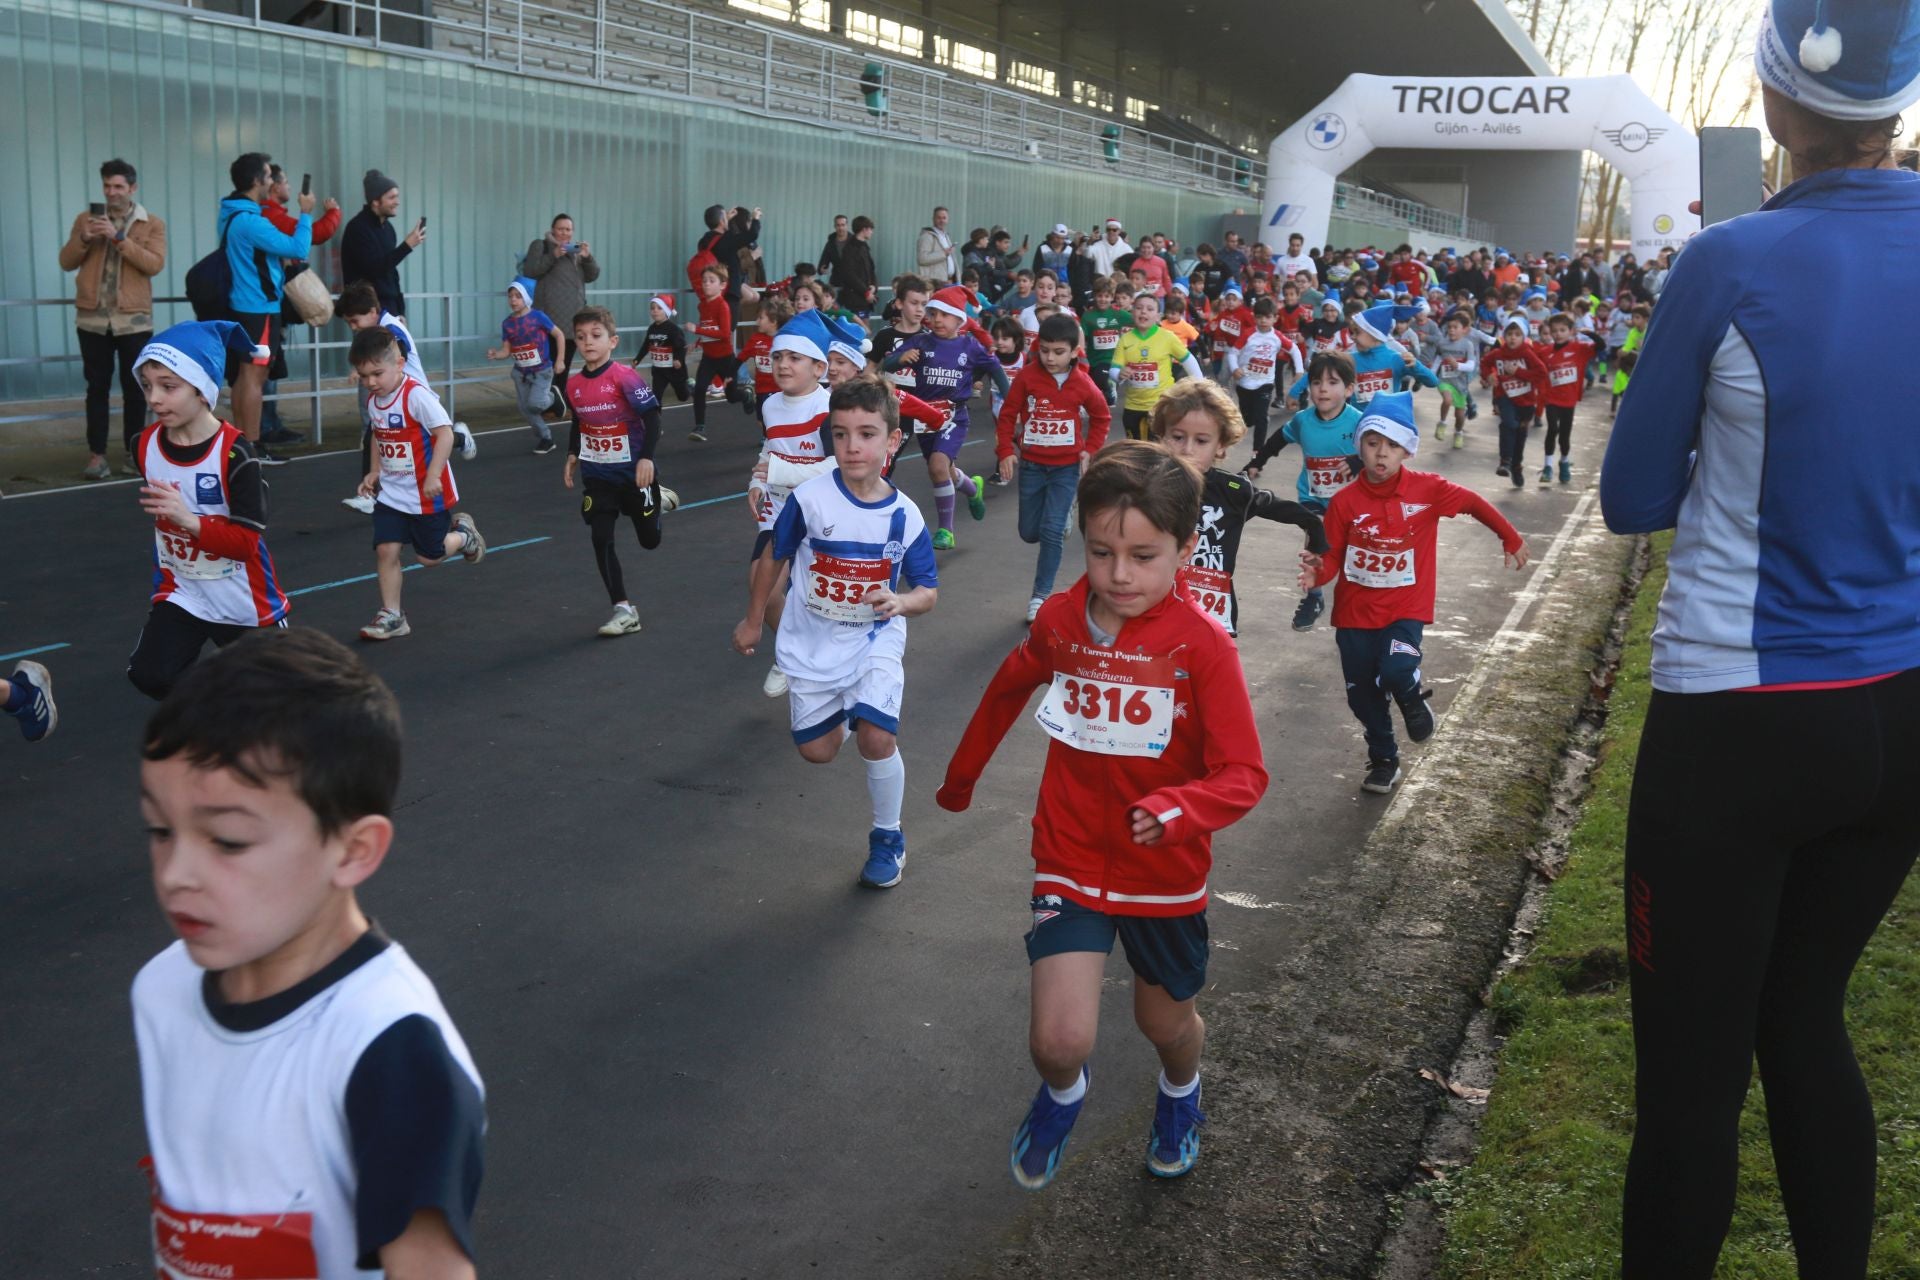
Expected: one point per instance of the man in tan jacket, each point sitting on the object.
(118, 248)
(933, 252)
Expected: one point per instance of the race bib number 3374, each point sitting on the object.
(1110, 703)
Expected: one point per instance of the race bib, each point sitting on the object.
(1142, 373)
(1105, 340)
(1516, 389)
(1380, 568)
(243, 1246)
(396, 457)
(1449, 367)
(605, 450)
(1212, 590)
(1371, 383)
(1050, 432)
(1107, 702)
(180, 557)
(763, 365)
(662, 357)
(1260, 366)
(1326, 476)
(837, 587)
(527, 357)
(1562, 375)
(905, 377)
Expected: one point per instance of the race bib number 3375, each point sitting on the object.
(1110, 703)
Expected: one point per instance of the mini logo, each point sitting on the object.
(1326, 131)
(1412, 509)
(1287, 215)
(895, 551)
(1663, 224)
(1041, 917)
(206, 487)
(395, 420)
(1633, 137)
(827, 532)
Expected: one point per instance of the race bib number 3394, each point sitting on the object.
(1110, 703)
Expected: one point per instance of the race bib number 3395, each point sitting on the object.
(1110, 703)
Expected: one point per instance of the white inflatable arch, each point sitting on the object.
(1608, 115)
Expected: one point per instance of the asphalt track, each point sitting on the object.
(707, 1052)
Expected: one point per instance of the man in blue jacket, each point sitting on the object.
(255, 248)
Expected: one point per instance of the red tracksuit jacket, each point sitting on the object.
(1380, 544)
(1566, 365)
(1208, 776)
(1039, 405)
(715, 327)
(1516, 374)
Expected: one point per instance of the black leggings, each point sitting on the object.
(711, 367)
(601, 506)
(170, 643)
(1559, 427)
(1768, 834)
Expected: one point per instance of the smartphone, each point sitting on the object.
(1730, 173)
(306, 184)
(423, 222)
(97, 209)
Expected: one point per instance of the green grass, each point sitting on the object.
(1542, 1197)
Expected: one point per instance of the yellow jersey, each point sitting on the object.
(1143, 365)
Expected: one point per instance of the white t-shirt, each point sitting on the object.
(1288, 267)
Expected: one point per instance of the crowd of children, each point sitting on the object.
(1153, 741)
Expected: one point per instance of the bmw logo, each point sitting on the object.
(1326, 131)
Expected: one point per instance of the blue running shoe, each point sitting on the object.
(33, 685)
(1173, 1144)
(886, 853)
(1042, 1137)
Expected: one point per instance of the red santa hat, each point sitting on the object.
(664, 301)
(953, 300)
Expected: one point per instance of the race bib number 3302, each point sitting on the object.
(1110, 703)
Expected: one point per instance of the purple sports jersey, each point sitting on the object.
(945, 371)
(529, 340)
(617, 421)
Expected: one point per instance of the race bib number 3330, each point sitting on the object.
(1110, 703)
(837, 588)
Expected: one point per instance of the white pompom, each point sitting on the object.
(866, 345)
(1820, 50)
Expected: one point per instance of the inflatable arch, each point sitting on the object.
(1608, 115)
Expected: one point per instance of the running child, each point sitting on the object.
(1197, 424)
(664, 348)
(1379, 359)
(359, 308)
(1327, 331)
(714, 329)
(945, 359)
(1456, 357)
(1566, 355)
(412, 479)
(862, 565)
(796, 448)
(213, 577)
(530, 338)
(616, 424)
(1252, 365)
(910, 307)
(847, 359)
(1230, 321)
(1010, 349)
(1637, 320)
(756, 353)
(1519, 381)
(1154, 749)
(1146, 358)
(311, 1109)
(1325, 432)
(1040, 427)
(1381, 534)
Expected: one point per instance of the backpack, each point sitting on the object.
(697, 264)
(210, 282)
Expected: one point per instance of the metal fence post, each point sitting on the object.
(766, 70)
(446, 317)
(313, 387)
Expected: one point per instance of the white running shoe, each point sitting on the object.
(1033, 608)
(360, 503)
(775, 684)
(624, 622)
(463, 437)
(669, 500)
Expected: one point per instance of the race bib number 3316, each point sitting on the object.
(1110, 703)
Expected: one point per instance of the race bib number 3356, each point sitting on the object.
(1110, 703)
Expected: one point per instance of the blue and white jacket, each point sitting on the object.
(1770, 424)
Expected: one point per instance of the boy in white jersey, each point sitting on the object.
(359, 307)
(213, 577)
(862, 565)
(411, 477)
(1253, 364)
(311, 1110)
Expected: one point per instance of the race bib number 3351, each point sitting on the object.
(1110, 703)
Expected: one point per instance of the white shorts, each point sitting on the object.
(873, 695)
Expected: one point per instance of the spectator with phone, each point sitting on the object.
(117, 247)
(561, 268)
(256, 253)
(371, 250)
(279, 195)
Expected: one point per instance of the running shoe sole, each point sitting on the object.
(476, 549)
(370, 632)
(621, 624)
(1381, 788)
(41, 681)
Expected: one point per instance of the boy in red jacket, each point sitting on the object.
(1381, 535)
(715, 332)
(1519, 380)
(1154, 749)
(1039, 424)
(1566, 356)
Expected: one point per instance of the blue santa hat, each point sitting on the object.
(1537, 291)
(523, 286)
(1843, 59)
(1233, 287)
(1379, 320)
(197, 351)
(1390, 414)
(849, 339)
(806, 334)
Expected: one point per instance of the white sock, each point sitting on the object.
(887, 785)
(1178, 1090)
(1072, 1093)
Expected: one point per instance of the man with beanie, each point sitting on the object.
(562, 268)
(1382, 531)
(371, 250)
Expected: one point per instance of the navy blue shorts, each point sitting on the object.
(1166, 951)
(426, 533)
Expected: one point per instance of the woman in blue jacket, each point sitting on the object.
(1770, 423)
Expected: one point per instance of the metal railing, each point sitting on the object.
(1365, 205)
(643, 46)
